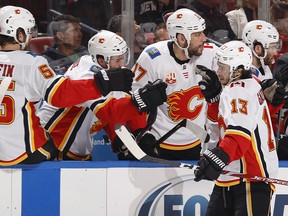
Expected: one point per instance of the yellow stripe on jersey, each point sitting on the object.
(239, 133)
(45, 153)
(249, 199)
(31, 129)
(14, 162)
(77, 157)
(99, 106)
(227, 183)
(257, 155)
(54, 89)
(72, 125)
(180, 147)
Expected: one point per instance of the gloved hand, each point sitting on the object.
(274, 91)
(210, 85)
(211, 164)
(281, 70)
(116, 79)
(279, 95)
(145, 143)
(150, 96)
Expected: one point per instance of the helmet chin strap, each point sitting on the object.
(24, 44)
(185, 49)
(261, 59)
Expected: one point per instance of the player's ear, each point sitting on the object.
(59, 35)
(102, 62)
(259, 50)
(181, 40)
(21, 36)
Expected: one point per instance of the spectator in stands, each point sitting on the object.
(148, 13)
(140, 42)
(246, 11)
(67, 48)
(279, 18)
(217, 24)
(161, 33)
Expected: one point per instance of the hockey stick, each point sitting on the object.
(3, 87)
(133, 147)
(197, 130)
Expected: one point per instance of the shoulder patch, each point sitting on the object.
(153, 52)
(94, 68)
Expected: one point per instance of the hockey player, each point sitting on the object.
(247, 143)
(22, 139)
(72, 128)
(174, 61)
(262, 38)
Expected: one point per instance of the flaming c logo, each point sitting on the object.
(101, 40)
(259, 27)
(241, 49)
(185, 104)
(179, 16)
(17, 11)
(97, 126)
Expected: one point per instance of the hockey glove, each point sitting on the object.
(281, 70)
(116, 79)
(211, 164)
(145, 143)
(278, 97)
(210, 85)
(150, 96)
(274, 91)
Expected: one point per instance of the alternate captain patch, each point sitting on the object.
(153, 52)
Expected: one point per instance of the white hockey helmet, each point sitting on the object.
(184, 21)
(259, 31)
(234, 54)
(12, 18)
(108, 44)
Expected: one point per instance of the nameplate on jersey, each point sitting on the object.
(153, 52)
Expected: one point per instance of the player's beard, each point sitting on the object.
(195, 51)
(269, 60)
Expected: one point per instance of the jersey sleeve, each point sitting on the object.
(57, 90)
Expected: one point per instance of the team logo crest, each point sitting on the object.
(185, 104)
(258, 27)
(101, 40)
(97, 126)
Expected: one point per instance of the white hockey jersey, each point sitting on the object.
(244, 117)
(32, 80)
(267, 73)
(185, 99)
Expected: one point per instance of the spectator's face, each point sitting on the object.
(73, 35)
(161, 34)
(196, 43)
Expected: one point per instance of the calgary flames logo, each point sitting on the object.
(185, 104)
(97, 126)
(101, 40)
